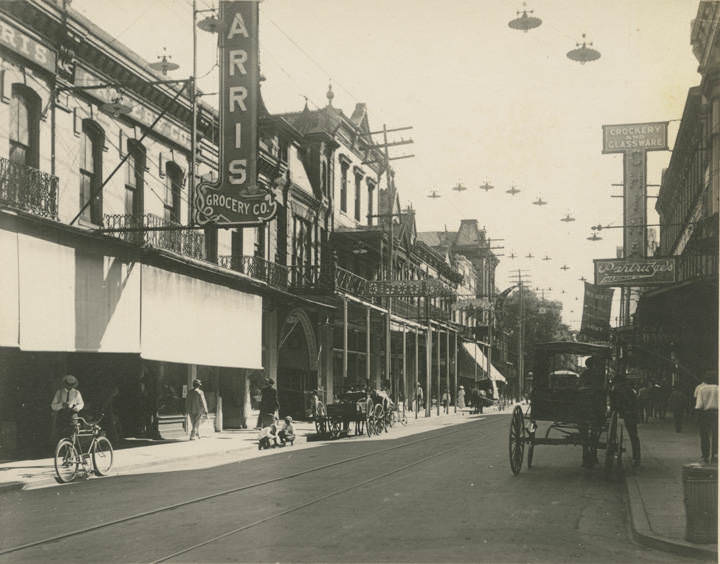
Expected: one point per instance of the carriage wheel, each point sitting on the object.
(379, 416)
(335, 428)
(320, 425)
(370, 425)
(612, 444)
(517, 441)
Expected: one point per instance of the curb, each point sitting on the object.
(10, 486)
(50, 481)
(643, 533)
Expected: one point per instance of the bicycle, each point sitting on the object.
(69, 455)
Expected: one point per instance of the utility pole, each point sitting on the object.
(391, 193)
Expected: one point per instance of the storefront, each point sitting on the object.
(135, 335)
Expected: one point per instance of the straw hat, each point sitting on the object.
(70, 380)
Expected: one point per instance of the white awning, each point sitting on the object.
(476, 352)
(191, 321)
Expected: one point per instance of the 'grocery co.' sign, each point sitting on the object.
(635, 272)
(235, 198)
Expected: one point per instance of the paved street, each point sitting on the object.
(443, 495)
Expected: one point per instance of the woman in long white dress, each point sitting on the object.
(461, 398)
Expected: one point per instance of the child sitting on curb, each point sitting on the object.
(268, 436)
(287, 433)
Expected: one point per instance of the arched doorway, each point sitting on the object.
(297, 363)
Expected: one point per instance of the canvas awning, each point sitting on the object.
(476, 352)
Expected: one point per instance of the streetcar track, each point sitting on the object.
(302, 506)
(201, 499)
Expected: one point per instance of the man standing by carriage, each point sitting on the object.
(624, 400)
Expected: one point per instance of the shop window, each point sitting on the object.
(24, 126)
(173, 191)
(92, 141)
(343, 186)
(134, 179)
(358, 183)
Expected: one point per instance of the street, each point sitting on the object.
(443, 495)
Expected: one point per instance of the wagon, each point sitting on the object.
(571, 394)
(352, 408)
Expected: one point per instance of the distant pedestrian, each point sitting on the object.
(706, 405)
(269, 404)
(445, 401)
(624, 400)
(419, 398)
(461, 398)
(196, 408)
(678, 404)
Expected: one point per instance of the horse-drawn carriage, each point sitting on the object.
(571, 393)
(368, 412)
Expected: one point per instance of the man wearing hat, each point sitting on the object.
(196, 408)
(66, 401)
(268, 404)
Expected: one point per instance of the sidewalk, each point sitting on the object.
(655, 489)
(213, 450)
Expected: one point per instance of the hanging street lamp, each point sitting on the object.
(525, 22)
(583, 52)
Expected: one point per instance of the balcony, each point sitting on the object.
(28, 189)
(273, 274)
(154, 231)
(697, 266)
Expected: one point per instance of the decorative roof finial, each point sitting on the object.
(330, 94)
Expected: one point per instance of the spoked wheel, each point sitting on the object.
(66, 461)
(369, 427)
(517, 441)
(335, 428)
(379, 415)
(320, 426)
(611, 447)
(102, 456)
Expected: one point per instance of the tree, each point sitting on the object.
(542, 323)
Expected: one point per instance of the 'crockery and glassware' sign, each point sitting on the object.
(635, 137)
(635, 272)
(235, 198)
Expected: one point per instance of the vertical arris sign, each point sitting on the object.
(235, 198)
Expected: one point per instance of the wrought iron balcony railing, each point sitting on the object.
(351, 283)
(185, 242)
(275, 275)
(28, 189)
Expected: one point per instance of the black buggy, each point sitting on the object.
(570, 391)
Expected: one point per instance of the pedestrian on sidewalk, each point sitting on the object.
(66, 403)
(706, 405)
(268, 403)
(461, 398)
(624, 400)
(287, 433)
(677, 403)
(196, 408)
(419, 398)
(445, 401)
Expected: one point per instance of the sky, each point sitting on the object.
(486, 102)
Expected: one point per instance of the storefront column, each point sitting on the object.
(439, 394)
(329, 368)
(368, 358)
(270, 342)
(388, 349)
(345, 340)
(417, 369)
(428, 372)
(404, 365)
(447, 367)
(457, 389)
